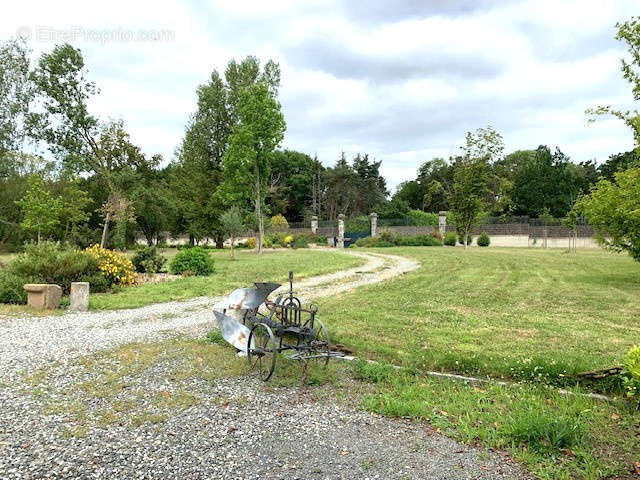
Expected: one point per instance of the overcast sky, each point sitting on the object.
(402, 80)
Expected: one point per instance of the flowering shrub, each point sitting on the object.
(251, 242)
(288, 239)
(115, 266)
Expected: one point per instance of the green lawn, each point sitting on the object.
(248, 267)
(519, 313)
(535, 316)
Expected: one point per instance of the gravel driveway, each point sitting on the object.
(28, 342)
(239, 428)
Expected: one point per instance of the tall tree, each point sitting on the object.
(16, 94)
(197, 173)
(247, 162)
(41, 212)
(72, 133)
(545, 181)
(468, 200)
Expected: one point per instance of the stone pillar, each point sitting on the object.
(374, 223)
(79, 296)
(442, 222)
(314, 224)
(340, 231)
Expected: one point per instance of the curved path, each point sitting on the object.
(26, 342)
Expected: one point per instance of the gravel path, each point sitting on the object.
(26, 342)
(241, 431)
(239, 428)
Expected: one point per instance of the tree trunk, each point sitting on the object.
(259, 211)
(233, 255)
(466, 238)
(220, 242)
(192, 240)
(105, 230)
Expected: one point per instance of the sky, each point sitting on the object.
(401, 80)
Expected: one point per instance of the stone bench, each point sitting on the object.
(43, 296)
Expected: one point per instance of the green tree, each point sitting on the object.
(291, 184)
(74, 207)
(545, 181)
(16, 94)
(247, 162)
(613, 209)
(468, 200)
(410, 192)
(72, 133)
(232, 225)
(485, 145)
(197, 173)
(41, 212)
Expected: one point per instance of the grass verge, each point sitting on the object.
(248, 267)
(556, 436)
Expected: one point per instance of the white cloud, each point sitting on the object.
(400, 82)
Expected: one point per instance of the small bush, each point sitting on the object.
(483, 240)
(632, 374)
(148, 260)
(436, 234)
(116, 266)
(195, 259)
(300, 241)
(388, 236)
(278, 223)
(50, 263)
(251, 243)
(11, 290)
(450, 239)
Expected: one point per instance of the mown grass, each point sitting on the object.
(523, 314)
(248, 267)
(533, 316)
(556, 436)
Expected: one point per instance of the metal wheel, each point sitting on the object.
(262, 355)
(321, 343)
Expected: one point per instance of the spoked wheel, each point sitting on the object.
(261, 351)
(321, 344)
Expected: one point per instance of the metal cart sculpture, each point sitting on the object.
(282, 327)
